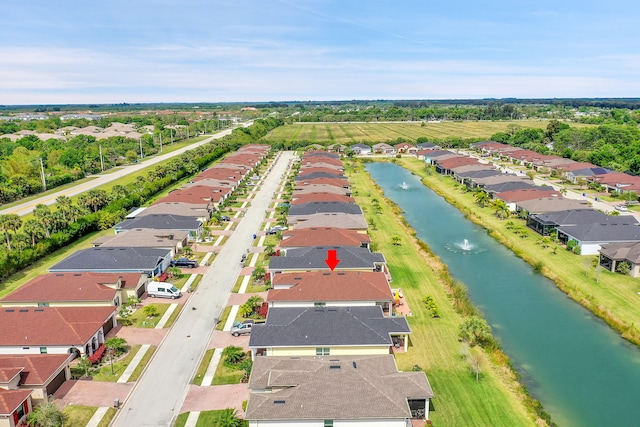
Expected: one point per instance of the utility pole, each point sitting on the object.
(141, 154)
(161, 142)
(101, 160)
(44, 180)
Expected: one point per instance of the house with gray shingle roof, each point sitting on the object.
(313, 259)
(544, 223)
(590, 237)
(325, 331)
(163, 222)
(360, 149)
(377, 395)
(614, 254)
(323, 207)
(149, 261)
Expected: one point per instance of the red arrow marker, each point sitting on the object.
(332, 259)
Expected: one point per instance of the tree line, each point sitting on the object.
(55, 227)
(66, 160)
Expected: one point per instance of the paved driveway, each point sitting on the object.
(90, 393)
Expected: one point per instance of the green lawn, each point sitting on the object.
(108, 417)
(610, 296)
(143, 363)
(78, 416)
(141, 320)
(206, 419)
(223, 318)
(202, 368)
(103, 372)
(227, 375)
(495, 400)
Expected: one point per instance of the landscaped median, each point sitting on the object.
(611, 296)
(497, 399)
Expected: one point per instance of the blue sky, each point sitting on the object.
(267, 50)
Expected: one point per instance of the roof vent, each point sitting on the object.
(279, 402)
(24, 310)
(39, 310)
(334, 366)
(11, 310)
(355, 364)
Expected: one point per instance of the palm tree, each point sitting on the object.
(64, 207)
(10, 222)
(229, 418)
(233, 354)
(46, 415)
(482, 197)
(501, 209)
(34, 230)
(44, 215)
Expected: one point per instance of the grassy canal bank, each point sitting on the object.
(497, 398)
(610, 296)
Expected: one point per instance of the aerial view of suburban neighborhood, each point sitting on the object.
(319, 214)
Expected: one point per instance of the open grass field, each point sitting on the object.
(497, 398)
(611, 296)
(352, 133)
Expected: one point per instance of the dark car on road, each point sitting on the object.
(184, 262)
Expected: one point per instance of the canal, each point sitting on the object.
(583, 373)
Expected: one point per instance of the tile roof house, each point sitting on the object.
(383, 148)
(511, 198)
(328, 331)
(76, 289)
(377, 395)
(345, 288)
(150, 261)
(590, 237)
(314, 161)
(313, 259)
(311, 170)
(42, 374)
(319, 236)
(320, 188)
(334, 166)
(334, 219)
(54, 330)
(614, 254)
(405, 147)
(498, 179)
(550, 204)
(574, 175)
(163, 222)
(15, 405)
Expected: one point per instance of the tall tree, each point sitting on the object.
(10, 223)
(44, 215)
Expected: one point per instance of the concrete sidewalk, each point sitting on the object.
(164, 386)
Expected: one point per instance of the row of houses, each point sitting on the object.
(616, 239)
(387, 149)
(324, 356)
(56, 317)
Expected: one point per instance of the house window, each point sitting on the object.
(328, 423)
(319, 304)
(322, 351)
(43, 304)
(43, 350)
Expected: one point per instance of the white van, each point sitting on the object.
(162, 289)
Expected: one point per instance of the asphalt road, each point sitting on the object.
(27, 207)
(159, 394)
